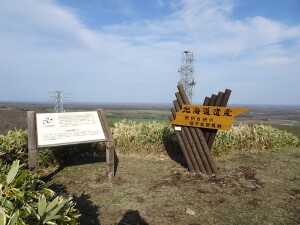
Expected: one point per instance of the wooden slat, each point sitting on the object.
(207, 151)
(222, 100)
(206, 100)
(200, 141)
(183, 146)
(203, 150)
(203, 159)
(191, 146)
(212, 101)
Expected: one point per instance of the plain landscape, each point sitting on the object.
(253, 187)
(13, 114)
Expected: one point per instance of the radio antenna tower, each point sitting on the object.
(58, 101)
(187, 73)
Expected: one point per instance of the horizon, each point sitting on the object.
(139, 104)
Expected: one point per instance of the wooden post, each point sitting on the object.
(213, 101)
(193, 143)
(221, 100)
(198, 135)
(199, 140)
(188, 146)
(32, 142)
(110, 146)
(183, 147)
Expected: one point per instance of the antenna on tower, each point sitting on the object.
(187, 73)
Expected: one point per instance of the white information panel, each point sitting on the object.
(68, 128)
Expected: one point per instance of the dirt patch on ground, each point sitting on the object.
(252, 188)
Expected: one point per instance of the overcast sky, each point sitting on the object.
(130, 50)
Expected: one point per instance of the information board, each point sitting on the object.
(55, 129)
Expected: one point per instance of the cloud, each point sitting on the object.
(160, 3)
(44, 23)
(137, 61)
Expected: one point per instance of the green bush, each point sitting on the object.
(13, 146)
(259, 137)
(144, 138)
(71, 154)
(156, 138)
(24, 199)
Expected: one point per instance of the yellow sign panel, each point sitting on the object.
(211, 117)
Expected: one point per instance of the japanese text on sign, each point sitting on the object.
(211, 117)
(68, 128)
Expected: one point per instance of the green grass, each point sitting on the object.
(113, 121)
(292, 129)
(137, 115)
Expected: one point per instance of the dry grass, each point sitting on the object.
(258, 137)
(253, 188)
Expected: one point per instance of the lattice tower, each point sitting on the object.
(187, 73)
(58, 101)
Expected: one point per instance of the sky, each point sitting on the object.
(129, 51)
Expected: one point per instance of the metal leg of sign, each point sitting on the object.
(32, 142)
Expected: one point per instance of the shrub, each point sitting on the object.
(155, 138)
(24, 199)
(146, 138)
(13, 146)
(71, 154)
(142, 138)
(260, 137)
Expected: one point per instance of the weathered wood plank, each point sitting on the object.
(32, 142)
(191, 147)
(202, 155)
(183, 146)
(222, 100)
(198, 135)
(110, 146)
(212, 102)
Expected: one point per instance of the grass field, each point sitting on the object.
(253, 188)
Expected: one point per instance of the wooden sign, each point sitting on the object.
(54, 129)
(210, 117)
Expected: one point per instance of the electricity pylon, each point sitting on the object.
(187, 73)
